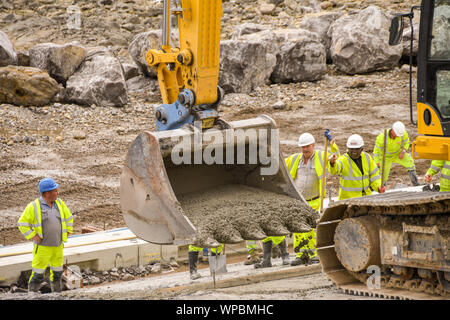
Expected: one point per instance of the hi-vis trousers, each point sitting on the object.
(43, 257)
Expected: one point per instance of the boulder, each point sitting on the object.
(247, 28)
(299, 54)
(359, 43)
(26, 86)
(406, 41)
(244, 65)
(130, 70)
(7, 54)
(143, 42)
(319, 23)
(267, 8)
(23, 58)
(99, 80)
(60, 61)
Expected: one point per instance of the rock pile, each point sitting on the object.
(91, 277)
(253, 55)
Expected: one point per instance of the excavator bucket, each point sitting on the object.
(188, 186)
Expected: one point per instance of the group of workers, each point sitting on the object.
(359, 175)
(47, 221)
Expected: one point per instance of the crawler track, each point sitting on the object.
(410, 246)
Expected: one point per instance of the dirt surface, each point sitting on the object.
(83, 148)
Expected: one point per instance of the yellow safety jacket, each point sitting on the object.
(393, 146)
(353, 183)
(293, 160)
(438, 165)
(30, 222)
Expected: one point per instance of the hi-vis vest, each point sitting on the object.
(353, 183)
(438, 165)
(30, 222)
(393, 146)
(293, 160)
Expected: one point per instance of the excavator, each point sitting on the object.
(393, 245)
(397, 244)
(198, 179)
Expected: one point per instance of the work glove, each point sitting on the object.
(328, 134)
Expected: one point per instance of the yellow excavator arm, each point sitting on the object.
(195, 64)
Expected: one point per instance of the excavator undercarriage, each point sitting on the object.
(403, 235)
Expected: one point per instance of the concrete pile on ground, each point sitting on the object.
(233, 213)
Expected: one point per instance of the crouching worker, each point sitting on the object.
(47, 222)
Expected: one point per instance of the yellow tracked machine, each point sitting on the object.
(397, 244)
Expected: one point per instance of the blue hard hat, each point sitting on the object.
(47, 184)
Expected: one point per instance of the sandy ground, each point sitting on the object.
(83, 148)
(178, 286)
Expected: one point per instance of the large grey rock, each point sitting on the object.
(59, 60)
(406, 41)
(359, 43)
(140, 45)
(440, 44)
(26, 86)
(299, 54)
(320, 23)
(99, 80)
(301, 57)
(244, 65)
(7, 54)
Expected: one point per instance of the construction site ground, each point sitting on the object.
(87, 163)
(88, 168)
(83, 149)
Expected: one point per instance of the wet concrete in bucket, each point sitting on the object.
(233, 213)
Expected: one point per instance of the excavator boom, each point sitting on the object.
(198, 179)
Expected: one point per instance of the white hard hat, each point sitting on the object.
(355, 141)
(399, 128)
(305, 139)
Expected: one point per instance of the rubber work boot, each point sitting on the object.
(267, 255)
(276, 252)
(297, 261)
(284, 252)
(56, 284)
(35, 282)
(254, 258)
(413, 177)
(193, 257)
